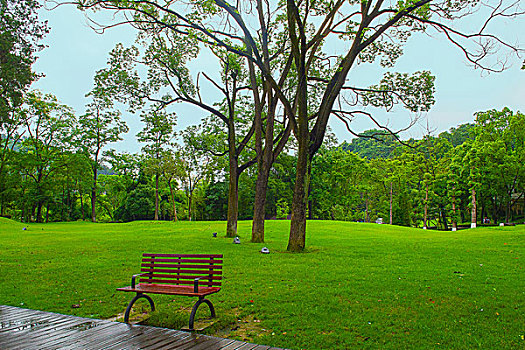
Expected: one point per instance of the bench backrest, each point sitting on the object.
(182, 269)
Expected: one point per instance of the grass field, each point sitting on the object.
(357, 286)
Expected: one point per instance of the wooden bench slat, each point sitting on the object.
(203, 271)
(170, 289)
(184, 255)
(176, 266)
(182, 277)
(182, 261)
(175, 282)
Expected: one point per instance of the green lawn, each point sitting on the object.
(357, 286)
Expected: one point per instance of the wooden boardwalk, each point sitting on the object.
(33, 329)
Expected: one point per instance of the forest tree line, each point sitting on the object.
(51, 170)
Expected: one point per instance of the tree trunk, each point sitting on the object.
(39, 211)
(156, 197)
(259, 205)
(265, 161)
(233, 200)
(94, 195)
(82, 205)
(473, 213)
(233, 188)
(190, 200)
(367, 217)
(444, 217)
(297, 240)
(425, 215)
(454, 221)
(172, 195)
(391, 192)
(47, 212)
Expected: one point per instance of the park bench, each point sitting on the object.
(193, 275)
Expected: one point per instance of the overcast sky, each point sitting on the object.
(75, 52)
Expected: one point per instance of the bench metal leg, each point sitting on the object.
(130, 305)
(196, 306)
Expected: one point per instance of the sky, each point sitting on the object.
(75, 52)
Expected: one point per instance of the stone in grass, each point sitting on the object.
(237, 240)
(265, 250)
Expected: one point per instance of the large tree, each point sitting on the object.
(98, 127)
(500, 148)
(157, 135)
(323, 41)
(20, 33)
(43, 152)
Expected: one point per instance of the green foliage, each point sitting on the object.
(457, 136)
(139, 205)
(415, 92)
(372, 144)
(20, 33)
(282, 209)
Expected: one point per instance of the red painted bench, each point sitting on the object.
(193, 275)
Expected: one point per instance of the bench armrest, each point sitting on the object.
(196, 284)
(135, 276)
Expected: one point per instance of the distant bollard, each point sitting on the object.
(265, 250)
(214, 234)
(237, 240)
(24, 228)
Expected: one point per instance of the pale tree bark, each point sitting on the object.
(425, 215)
(391, 192)
(94, 196)
(156, 197)
(454, 221)
(473, 213)
(172, 197)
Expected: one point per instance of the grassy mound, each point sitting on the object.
(358, 285)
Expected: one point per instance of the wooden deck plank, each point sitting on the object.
(234, 346)
(173, 342)
(128, 342)
(32, 324)
(55, 341)
(208, 343)
(170, 337)
(34, 329)
(13, 314)
(10, 326)
(16, 311)
(158, 339)
(140, 337)
(89, 336)
(186, 342)
(14, 318)
(79, 337)
(52, 335)
(31, 336)
(110, 335)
